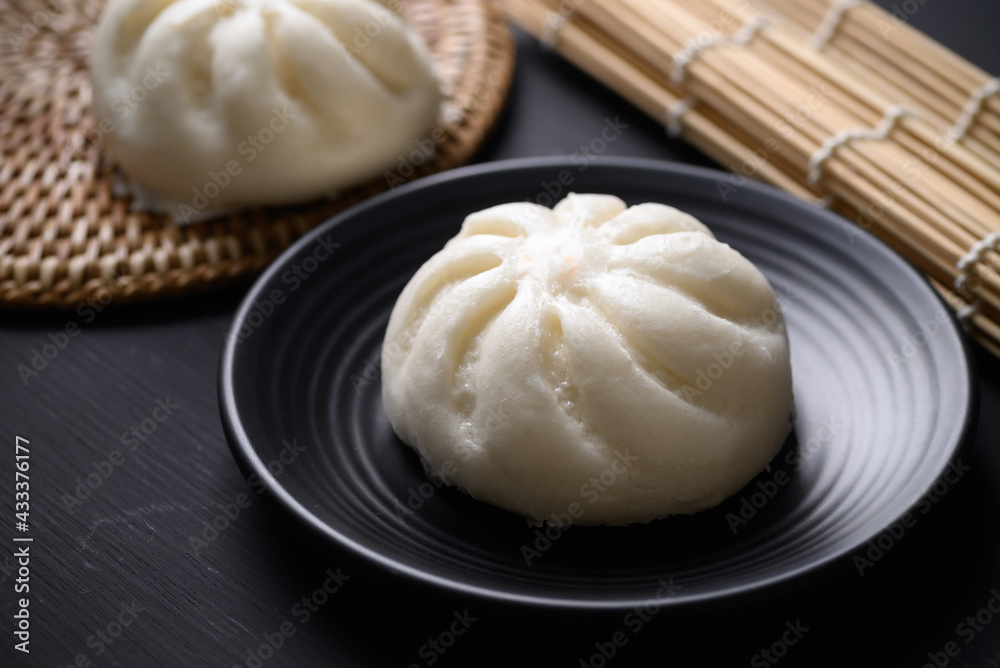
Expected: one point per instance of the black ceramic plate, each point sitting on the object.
(882, 391)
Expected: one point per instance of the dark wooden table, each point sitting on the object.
(130, 471)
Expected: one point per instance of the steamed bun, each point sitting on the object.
(210, 105)
(591, 361)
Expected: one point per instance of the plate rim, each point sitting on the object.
(249, 462)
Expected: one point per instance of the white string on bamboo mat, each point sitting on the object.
(880, 131)
(702, 42)
(831, 21)
(675, 116)
(972, 107)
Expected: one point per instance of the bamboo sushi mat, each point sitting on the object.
(65, 237)
(835, 101)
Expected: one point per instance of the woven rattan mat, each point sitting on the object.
(65, 238)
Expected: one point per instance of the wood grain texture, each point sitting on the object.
(129, 542)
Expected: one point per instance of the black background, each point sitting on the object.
(128, 544)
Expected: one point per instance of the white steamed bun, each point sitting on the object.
(210, 105)
(592, 361)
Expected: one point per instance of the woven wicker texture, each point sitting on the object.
(65, 237)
